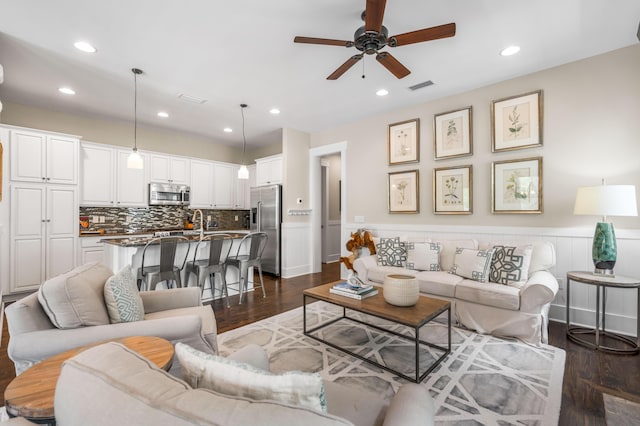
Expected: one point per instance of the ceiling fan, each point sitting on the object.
(373, 36)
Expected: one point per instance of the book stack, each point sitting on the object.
(354, 291)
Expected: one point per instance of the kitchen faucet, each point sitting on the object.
(193, 219)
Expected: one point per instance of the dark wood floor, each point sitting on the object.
(587, 374)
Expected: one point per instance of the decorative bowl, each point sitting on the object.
(401, 290)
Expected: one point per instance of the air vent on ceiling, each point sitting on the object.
(190, 98)
(421, 85)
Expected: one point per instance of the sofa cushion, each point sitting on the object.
(122, 298)
(510, 265)
(95, 381)
(378, 273)
(202, 370)
(423, 256)
(391, 252)
(440, 283)
(76, 298)
(448, 251)
(490, 294)
(473, 264)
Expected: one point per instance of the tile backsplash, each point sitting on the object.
(152, 218)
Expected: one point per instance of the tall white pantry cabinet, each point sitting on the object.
(42, 205)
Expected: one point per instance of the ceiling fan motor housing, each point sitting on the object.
(370, 42)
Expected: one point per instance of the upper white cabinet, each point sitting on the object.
(212, 185)
(106, 180)
(269, 170)
(224, 185)
(164, 168)
(44, 158)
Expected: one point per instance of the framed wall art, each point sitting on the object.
(516, 122)
(452, 134)
(404, 192)
(517, 186)
(404, 142)
(453, 190)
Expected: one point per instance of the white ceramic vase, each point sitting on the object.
(401, 290)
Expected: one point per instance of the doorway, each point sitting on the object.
(331, 181)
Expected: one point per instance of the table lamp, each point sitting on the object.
(605, 200)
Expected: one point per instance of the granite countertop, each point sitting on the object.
(119, 232)
(131, 240)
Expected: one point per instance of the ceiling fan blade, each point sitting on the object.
(344, 67)
(328, 41)
(392, 64)
(373, 15)
(426, 34)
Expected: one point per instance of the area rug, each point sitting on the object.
(485, 380)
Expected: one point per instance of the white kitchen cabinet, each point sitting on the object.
(164, 168)
(224, 182)
(269, 170)
(44, 158)
(201, 195)
(44, 229)
(106, 180)
(243, 188)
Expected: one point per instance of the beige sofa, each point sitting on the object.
(486, 307)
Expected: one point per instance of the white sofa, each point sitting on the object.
(486, 307)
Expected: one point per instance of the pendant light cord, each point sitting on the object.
(135, 72)
(244, 139)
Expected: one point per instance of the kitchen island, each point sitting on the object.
(119, 252)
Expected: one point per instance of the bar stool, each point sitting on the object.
(151, 275)
(219, 248)
(251, 247)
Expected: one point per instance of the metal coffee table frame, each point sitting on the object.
(416, 337)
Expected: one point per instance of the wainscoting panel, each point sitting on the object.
(333, 241)
(296, 249)
(573, 253)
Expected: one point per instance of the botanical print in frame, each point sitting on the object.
(404, 142)
(403, 192)
(452, 134)
(517, 186)
(516, 122)
(453, 190)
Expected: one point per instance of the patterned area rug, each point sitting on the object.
(485, 380)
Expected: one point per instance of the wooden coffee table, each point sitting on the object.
(413, 317)
(30, 395)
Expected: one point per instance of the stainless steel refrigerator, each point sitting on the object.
(266, 216)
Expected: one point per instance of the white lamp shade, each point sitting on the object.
(243, 172)
(606, 200)
(135, 161)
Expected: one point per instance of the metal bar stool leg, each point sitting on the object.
(223, 283)
(264, 294)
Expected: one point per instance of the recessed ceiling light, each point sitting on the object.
(274, 111)
(228, 129)
(163, 114)
(382, 92)
(67, 91)
(511, 50)
(85, 47)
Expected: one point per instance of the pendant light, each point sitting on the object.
(135, 160)
(243, 172)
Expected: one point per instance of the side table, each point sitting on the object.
(602, 282)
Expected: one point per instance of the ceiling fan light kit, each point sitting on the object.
(373, 36)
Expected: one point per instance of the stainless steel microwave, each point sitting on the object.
(168, 194)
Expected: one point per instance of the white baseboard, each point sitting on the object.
(296, 271)
(587, 318)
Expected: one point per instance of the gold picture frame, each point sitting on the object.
(516, 122)
(452, 134)
(403, 142)
(517, 186)
(404, 193)
(453, 190)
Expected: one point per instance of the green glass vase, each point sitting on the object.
(604, 250)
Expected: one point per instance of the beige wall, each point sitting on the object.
(114, 132)
(295, 174)
(591, 131)
(266, 151)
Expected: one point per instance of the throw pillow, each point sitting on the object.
(75, 299)
(472, 264)
(229, 377)
(391, 252)
(510, 265)
(423, 256)
(122, 298)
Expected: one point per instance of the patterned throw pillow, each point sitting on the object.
(472, 264)
(510, 265)
(423, 256)
(391, 252)
(229, 377)
(121, 296)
